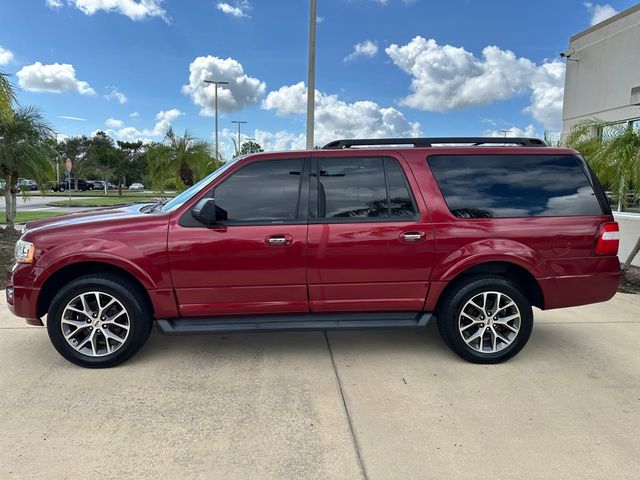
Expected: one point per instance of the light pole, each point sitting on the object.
(311, 82)
(216, 83)
(239, 122)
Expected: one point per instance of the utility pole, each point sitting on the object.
(239, 122)
(311, 81)
(216, 83)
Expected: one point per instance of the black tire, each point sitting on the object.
(456, 299)
(125, 292)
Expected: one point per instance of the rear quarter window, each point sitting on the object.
(502, 186)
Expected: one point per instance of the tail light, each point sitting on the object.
(608, 239)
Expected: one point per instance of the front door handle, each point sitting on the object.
(279, 240)
(413, 237)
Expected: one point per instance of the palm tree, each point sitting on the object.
(614, 156)
(183, 158)
(24, 151)
(7, 96)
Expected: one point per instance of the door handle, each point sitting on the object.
(279, 240)
(413, 237)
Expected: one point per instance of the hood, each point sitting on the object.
(84, 218)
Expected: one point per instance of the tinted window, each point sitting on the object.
(485, 186)
(357, 188)
(400, 200)
(265, 191)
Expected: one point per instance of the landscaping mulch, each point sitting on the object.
(8, 238)
(630, 281)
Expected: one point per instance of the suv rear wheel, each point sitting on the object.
(486, 320)
(98, 321)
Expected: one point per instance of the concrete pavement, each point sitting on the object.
(352, 405)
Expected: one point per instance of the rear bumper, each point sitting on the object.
(598, 284)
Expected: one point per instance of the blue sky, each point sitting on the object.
(394, 67)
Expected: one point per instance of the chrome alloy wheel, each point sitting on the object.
(489, 322)
(95, 324)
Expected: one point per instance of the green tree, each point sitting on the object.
(613, 152)
(24, 152)
(7, 97)
(250, 147)
(180, 159)
(134, 165)
(75, 149)
(103, 155)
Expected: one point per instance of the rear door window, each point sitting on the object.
(362, 189)
(495, 186)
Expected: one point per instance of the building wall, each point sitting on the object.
(629, 224)
(603, 67)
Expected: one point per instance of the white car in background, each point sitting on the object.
(137, 187)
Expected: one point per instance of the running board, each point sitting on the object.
(304, 322)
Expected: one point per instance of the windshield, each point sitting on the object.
(196, 188)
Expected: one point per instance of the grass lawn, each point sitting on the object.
(102, 201)
(23, 217)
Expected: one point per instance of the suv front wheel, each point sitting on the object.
(486, 320)
(98, 321)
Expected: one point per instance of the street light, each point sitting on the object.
(311, 82)
(216, 83)
(239, 122)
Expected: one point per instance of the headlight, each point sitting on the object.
(24, 252)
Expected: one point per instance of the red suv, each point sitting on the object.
(360, 234)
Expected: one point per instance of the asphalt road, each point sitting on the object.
(348, 405)
(38, 203)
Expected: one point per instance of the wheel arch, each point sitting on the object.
(517, 274)
(74, 270)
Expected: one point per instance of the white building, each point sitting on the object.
(603, 82)
(603, 72)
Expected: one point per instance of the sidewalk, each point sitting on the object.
(369, 404)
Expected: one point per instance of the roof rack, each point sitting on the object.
(428, 142)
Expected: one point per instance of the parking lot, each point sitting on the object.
(369, 404)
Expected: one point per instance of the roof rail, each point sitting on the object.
(428, 142)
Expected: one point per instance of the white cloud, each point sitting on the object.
(280, 141)
(447, 78)
(599, 13)
(114, 123)
(115, 94)
(53, 78)
(287, 100)
(362, 49)
(164, 119)
(242, 90)
(134, 115)
(6, 56)
(239, 10)
(336, 118)
(68, 117)
(134, 9)
(528, 131)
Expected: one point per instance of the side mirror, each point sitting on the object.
(205, 211)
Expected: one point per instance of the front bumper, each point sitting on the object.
(21, 292)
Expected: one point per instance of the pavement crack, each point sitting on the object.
(356, 444)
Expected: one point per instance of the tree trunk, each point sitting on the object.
(632, 255)
(14, 193)
(7, 200)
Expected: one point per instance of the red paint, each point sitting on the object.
(321, 267)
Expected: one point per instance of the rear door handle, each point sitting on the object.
(279, 240)
(413, 237)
